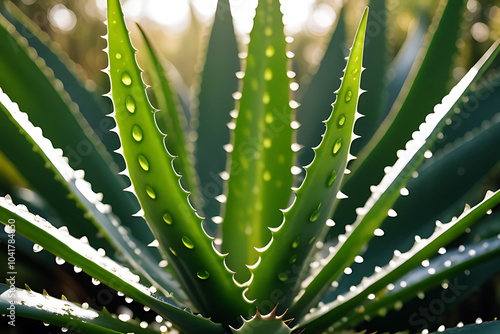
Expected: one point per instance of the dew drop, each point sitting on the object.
(267, 176)
(167, 218)
(268, 74)
(315, 214)
(348, 95)
(266, 98)
(137, 133)
(118, 56)
(341, 120)
(37, 248)
(77, 269)
(95, 281)
(60, 261)
(203, 274)
(332, 178)
(269, 118)
(173, 252)
(270, 51)
(337, 146)
(130, 104)
(283, 277)
(354, 72)
(293, 259)
(296, 242)
(151, 192)
(143, 162)
(187, 242)
(267, 143)
(126, 79)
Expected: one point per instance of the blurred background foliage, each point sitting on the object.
(180, 28)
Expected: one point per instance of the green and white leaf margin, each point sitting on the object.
(68, 315)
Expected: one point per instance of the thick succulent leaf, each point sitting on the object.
(60, 312)
(269, 323)
(71, 196)
(30, 83)
(440, 189)
(79, 253)
(291, 243)
(423, 278)
(428, 84)
(261, 158)
(316, 104)
(484, 328)
(400, 68)
(217, 84)
(372, 105)
(171, 119)
(399, 266)
(478, 110)
(175, 224)
(384, 195)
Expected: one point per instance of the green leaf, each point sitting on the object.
(281, 261)
(441, 268)
(60, 312)
(171, 119)
(484, 328)
(30, 83)
(217, 83)
(102, 268)
(430, 81)
(401, 264)
(440, 190)
(71, 196)
(316, 104)
(384, 195)
(261, 158)
(175, 224)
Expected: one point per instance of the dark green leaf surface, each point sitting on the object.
(105, 270)
(385, 194)
(72, 197)
(315, 105)
(400, 265)
(64, 313)
(215, 101)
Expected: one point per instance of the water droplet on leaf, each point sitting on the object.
(143, 162)
(130, 104)
(337, 146)
(126, 79)
(151, 192)
(187, 242)
(348, 95)
(137, 133)
(167, 218)
(203, 274)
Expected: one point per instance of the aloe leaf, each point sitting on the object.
(217, 83)
(305, 219)
(30, 83)
(316, 104)
(175, 224)
(484, 328)
(372, 105)
(102, 268)
(399, 265)
(428, 84)
(437, 186)
(72, 196)
(60, 312)
(261, 157)
(400, 68)
(171, 119)
(385, 194)
(439, 269)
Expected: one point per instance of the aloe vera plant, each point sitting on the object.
(326, 248)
